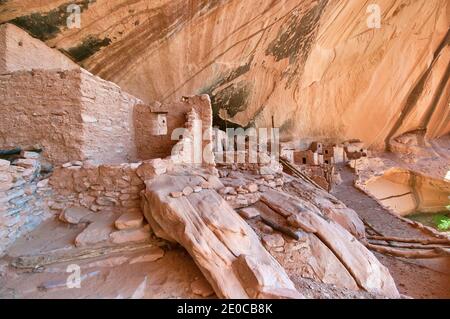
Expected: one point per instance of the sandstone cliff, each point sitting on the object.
(315, 66)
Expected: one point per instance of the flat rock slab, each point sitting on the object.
(4, 164)
(75, 215)
(97, 231)
(129, 220)
(273, 240)
(278, 222)
(321, 263)
(248, 212)
(153, 254)
(130, 235)
(329, 206)
(362, 265)
(217, 239)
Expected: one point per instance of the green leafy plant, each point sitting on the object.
(442, 222)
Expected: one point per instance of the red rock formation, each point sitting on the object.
(315, 66)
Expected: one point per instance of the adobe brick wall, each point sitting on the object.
(151, 146)
(19, 51)
(42, 107)
(107, 121)
(72, 114)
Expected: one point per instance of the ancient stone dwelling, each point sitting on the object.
(74, 115)
(102, 167)
(56, 113)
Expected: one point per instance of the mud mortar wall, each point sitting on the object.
(48, 100)
(42, 107)
(104, 187)
(153, 146)
(22, 199)
(107, 121)
(75, 116)
(19, 51)
(71, 114)
(117, 187)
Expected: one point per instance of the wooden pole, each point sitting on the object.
(410, 240)
(409, 253)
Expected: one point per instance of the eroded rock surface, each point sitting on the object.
(272, 54)
(310, 232)
(361, 264)
(216, 237)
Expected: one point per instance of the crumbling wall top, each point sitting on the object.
(20, 51)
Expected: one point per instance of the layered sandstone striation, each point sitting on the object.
(402, 190)
(224, 247)
(317, 67)
(129, 169)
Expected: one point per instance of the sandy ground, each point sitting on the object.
(416, 278)
(119, 276)
(111, 276)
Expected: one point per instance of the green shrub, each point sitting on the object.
(442, 222)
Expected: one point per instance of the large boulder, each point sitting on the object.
(217, 238)
(365, 269)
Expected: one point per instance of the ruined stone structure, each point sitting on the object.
(86, 127)
(318, 154)
(74, 115)
(147, 124)
(22, 198)
(114, 157)
(284, 59)
(308, 157)
(71, 114)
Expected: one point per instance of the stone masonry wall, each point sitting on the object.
(26, 199)
(103, 187)
(116, 187)
(19, 52)
(23, 198)
(71, 114)
(187, 150)
(42, 107)
(48, 100)
(151, 146)
(107, 116)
